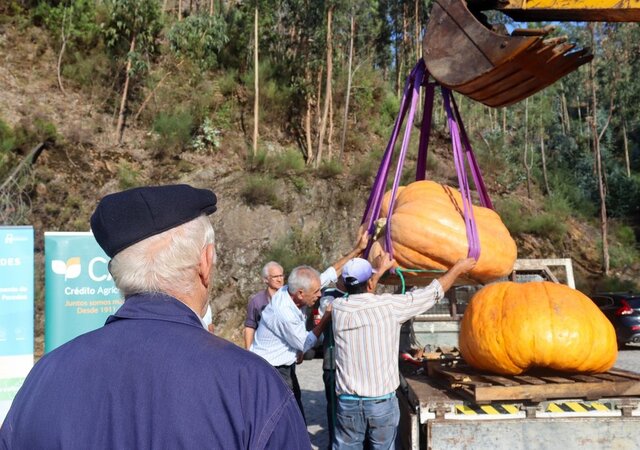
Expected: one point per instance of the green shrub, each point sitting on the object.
(7, 138)
(511, 213)
(290, 161)
(295, 249)
(174, 131)
(128, 176)
(329, 169)
(257, 162)
(227, 82)
(621, 255)
(200, 38)
(364, 172)
(260, 190)
(615, 284)
(625, 235)
(547, 226)
(558, 205)
(39, 129)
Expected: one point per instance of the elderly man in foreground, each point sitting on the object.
(153, 376)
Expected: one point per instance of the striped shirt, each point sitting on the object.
(366, 329)
(282, 331)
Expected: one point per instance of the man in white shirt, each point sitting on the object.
(282, 337)
(366, 330)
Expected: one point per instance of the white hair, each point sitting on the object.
(301, 278)
(165, 262)
(269, 265)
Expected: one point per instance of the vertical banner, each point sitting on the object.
(16, 311)
(79, 291)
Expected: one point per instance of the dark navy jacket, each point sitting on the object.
(153, 378)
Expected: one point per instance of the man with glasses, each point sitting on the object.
(273, 277)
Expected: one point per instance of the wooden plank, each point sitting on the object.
(559, 380)
(625, 373)
(500, 380)
(551, 391)
(486, 387)
(529, 379)
(609, 377)
(585, 378)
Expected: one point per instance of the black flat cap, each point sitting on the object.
(125, 218)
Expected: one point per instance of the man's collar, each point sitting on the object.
(156, 306)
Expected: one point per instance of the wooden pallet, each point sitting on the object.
(486, 387)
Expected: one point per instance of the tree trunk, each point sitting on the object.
(125, 93)
(179, 10)
(580, 115)
(256, 87)
(598, 161)
(525, 158)
(307, 116)
(327, 99)
(61, 54)
(626, 147)
(547, 191)
(330, 137)
(504, 125)
(566, 120)
(346, 100)
(211, 7)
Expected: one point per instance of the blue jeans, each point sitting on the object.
(375, 421)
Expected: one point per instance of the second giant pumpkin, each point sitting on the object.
(428, 232)
(508, 328)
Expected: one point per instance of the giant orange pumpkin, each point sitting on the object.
(509, 328)
(428, 232)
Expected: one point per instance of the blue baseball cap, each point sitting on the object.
(128, 217)
(357, 271)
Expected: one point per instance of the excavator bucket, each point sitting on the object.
(496, 69)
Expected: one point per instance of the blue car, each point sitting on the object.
(623, 310)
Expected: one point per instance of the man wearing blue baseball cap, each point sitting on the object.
(366, 330)
(153, 376)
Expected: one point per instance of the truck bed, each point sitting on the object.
(456, 407)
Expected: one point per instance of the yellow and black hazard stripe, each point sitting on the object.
(578, 407)
(471, 410)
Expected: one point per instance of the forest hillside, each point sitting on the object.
(284, 109)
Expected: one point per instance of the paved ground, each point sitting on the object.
(310, 377)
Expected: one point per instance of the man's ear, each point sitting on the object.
(207, 261)
(371, 285)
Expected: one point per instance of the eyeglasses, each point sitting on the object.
(275, 276)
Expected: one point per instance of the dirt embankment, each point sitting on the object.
(85, 164)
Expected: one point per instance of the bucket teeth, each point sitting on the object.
(498, 70)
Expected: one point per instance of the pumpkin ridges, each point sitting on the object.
(491, 345)
(446, 230)
(539, 324)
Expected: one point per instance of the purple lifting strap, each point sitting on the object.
(461, 146)
(465, 191)
(372, 210)
(425, 132)
(471, 159)
(417, 82)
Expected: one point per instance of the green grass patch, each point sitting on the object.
(329, 169)
(260, 190)
(128, 176)
(294, 249)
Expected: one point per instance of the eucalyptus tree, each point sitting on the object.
(131, 31)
